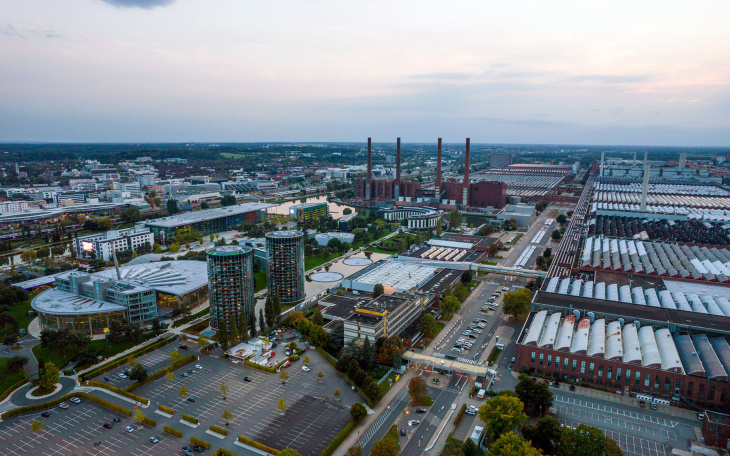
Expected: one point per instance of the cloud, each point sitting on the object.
(145, 4)
(609, 79)
(27, 31)
(444, 76)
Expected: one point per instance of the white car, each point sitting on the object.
(75, 400)
(198, 366)
(122, 375)
(414, 422)
(306, 369)
(471, 410)
(63, 405)
(505, 288)
(154, 439)
(129, 429)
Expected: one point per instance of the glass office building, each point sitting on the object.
(285, 252)
(231, 285)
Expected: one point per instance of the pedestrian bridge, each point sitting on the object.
(508, 271)
(442, 363)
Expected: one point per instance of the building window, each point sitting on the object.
(711, 394)
(628, 375)
(638, 377)
(600, 370)
(722, 395)
(565, 365)
(608, 373)
(582, 367)
(590, 369)
(541, 358)
(701, 391)
(575, 364)
(618, 374)
(666, 383)
(550, 360)
(532, 358)
(647, 380)
(557, 362)
(690, 387)
(677, 385)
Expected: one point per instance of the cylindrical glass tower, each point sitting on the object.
(285, 258)
(230, 277)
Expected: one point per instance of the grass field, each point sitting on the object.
(19, 312)
(62, 357)
(190, 318)
(231, 155)
(259, 281)
(7, 379)
(379, 250)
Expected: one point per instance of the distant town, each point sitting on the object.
(377, 298)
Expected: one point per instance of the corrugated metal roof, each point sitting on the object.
(649, 350)
(688, 354)
(632, 348)
(713, 366)
(550, 333)
(538, 322)
(614, 344)
(668, 351)
(580, 340)
(565, 335)
(597, 339)
(722, 350)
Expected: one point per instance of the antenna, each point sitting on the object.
(116, 263)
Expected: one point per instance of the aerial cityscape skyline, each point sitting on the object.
(175, 71)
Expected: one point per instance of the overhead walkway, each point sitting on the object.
(445, 364)
(507, 271)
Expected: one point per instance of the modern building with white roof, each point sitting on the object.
(395, 276)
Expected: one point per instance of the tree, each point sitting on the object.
(156, 248)
(262, 323)
(417, 388)
(306, 360)
(224, 390)
(358, 411)
(317, 318)
(284, 376)
(170, 377)
(337, 336)
(269, 311)
(556, 235)
(493, 249)
(510, 444)
(562, 219)
(174, 247)
(367, 354)
(16, 363)
(346, 211)
(501, 414)
(50, 376)
(223, 337)
(454, 219)
(282, 405)
(139, 416)
(582, 441)
(227, 416)
(469, 448)
(28, 256)
(428, 326)
(385, 447)
(252, 323)
(138, 373)
(378, 289)
(37, 426)
(535, 395)
(175, 356)
(466, 276)
(517, 302)
(43, 252)
(353, 451)
(337, 394)
(172, 208)
(233, 332)
(320, 375)
(545, 435)
(449, 306)
(130, 215)
(276, 301)
(547, 253)
(387, 351)
(228, 200)
(439, 227)
(182, 391)
(204, 205)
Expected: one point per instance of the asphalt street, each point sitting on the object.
(421, 434)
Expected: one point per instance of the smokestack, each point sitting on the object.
(370, 159)
(397, 160)
(645, 183)
(633, 163)
(600, 170)
(437, 184)
(466, 162)
(682, 160)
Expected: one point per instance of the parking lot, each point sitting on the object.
(75, 431)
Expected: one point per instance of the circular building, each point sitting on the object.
(324, 238)
(285, 256)
(230, 283)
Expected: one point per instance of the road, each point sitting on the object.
(421, 434)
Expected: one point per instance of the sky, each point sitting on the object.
(525, 72)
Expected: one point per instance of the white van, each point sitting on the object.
(481, 393)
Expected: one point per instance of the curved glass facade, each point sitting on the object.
(91, 324)
(230, 283)
(285, 250)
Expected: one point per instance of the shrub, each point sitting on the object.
(197, 441)
(256, 444)
(123, 360)
(162, 372)
(218, 430)
(190, 419)
(173, 431)
(459, 415)
(339, 438)
(259, 367)
(51, 403)
(119, 391)
(166, 409)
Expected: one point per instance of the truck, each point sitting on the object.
(481, 393)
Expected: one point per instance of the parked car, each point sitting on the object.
(505, 288)
(122, 375)
(154, 439)
(306, 369)
(116, 420)
(198, 448)
(192, 371)
(414, 422)
(46, 414)
(198, 366)
(107, 425)
(191, 399)
(456, 350)
(184, 374)
(107, 379)
(403, 432)
(63, 405)
(129, 429)
(183, 347)
(246, 379)
(421, 410)
(75, 400)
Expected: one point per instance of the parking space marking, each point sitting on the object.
(629, 444)
(615, 421)
(615, 411)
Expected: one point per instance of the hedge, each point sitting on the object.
(13, 387)
(53, 402)
(206, 349)
(119, 391)
(326, 356)
(217, 429)
(173, 431)
(166, 409)
(459, 415)
(162, 372)
(223, 452)
(119, 361)
(339, 438)
(259, 367)
(148, 421)
(256, 444)
(197, 441)
(190, 419)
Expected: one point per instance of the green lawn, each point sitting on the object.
(7, 379)
(392, 433)
(62, 357)
(260, 281)
(232, 155)
(379, 250)
(385, 385)
(190, 318)
(19, 312)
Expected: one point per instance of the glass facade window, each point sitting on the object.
(608, 372)
(618, 374)
(285, 252)
(550, 361)
(230, 283)
(591, 369)
(541, 358)
(582, 367)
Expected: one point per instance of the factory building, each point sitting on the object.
(395, 277)
(500, 160)
(285, 264)
(205, 222)
(369, 189)
(383, 316)
(231, 284)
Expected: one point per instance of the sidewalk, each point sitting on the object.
(368, 421)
